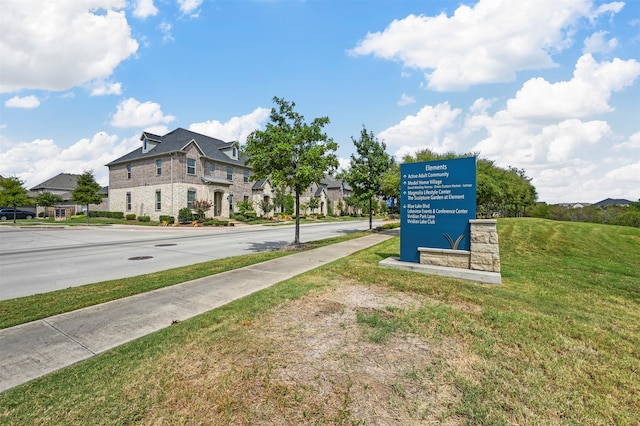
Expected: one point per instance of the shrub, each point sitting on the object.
(166, 218)
(110, 215)
(207, 223)
(631, 218)
(185, 215)
(144, 218)
(130, 216)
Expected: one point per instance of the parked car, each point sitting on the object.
(7, 214)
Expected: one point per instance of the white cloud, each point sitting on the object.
(426, 129)
(144, 8)
(630, 172)
(189, 7)
(133, 113)
(343, 164)
(41, 159)
(406, 100)
(587, 93)
(597, 44)
(236, 129)
(631, 144)
(28, 102)
(485, 43)
(101, 88)
(165, 28)
(64, 37)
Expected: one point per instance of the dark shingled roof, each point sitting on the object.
(176, 141)
(61, 182)
(612, 202)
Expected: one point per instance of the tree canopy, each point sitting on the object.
(365, 175)
(47, 199)
(12, 193)
(86, 191)
(290, 152)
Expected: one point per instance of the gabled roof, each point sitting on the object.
(260, 184)
(176, 141)
(61, 182)
(612, 202)
(332, 183)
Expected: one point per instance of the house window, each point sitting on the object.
(246, 176)
(128, 201)
(158, 167)
(191, 197)
(235, 152)
(212, 168)
(245, 198)
(128, 171)
(229, 173)
(230, 203)
(158, 200)
(191, 166)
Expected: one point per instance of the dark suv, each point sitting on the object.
(8, 214)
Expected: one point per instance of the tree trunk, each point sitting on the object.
(297, 237)
(370, 213)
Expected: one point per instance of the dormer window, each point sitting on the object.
(148, 144)
(235, 152)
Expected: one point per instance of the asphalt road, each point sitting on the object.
(42, 259)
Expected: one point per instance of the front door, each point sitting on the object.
(217, 203)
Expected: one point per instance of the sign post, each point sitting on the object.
(437, 200)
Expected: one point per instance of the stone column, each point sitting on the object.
(485, 253)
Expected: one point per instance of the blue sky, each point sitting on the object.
(548, 86)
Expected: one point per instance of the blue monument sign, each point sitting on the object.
(437, 200)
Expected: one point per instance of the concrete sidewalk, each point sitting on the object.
(32, 350)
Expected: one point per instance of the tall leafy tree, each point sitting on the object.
(12, 193)
(47, 199)
(86, 191)
(391, 184)
(367, 168)
(290, 152)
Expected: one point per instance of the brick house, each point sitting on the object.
(168, 173)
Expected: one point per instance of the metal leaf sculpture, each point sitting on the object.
(454, 244)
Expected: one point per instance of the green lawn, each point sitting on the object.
(557, 343)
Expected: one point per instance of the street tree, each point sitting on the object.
(86, 191)
(314, 203)
(47, 199)
(366, 171)
(291, 152)
(13, 193)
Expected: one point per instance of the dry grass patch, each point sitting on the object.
(312, 361)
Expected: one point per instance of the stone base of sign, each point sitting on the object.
(481, 263)
(444, 271)
(483, 256)
(485, 253)
(445, 257)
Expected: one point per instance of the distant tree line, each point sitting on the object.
(611, 215)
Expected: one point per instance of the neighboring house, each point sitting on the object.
(318, 191)
(168, 173)
(612, 202)
(338, 190)
(63, 184)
